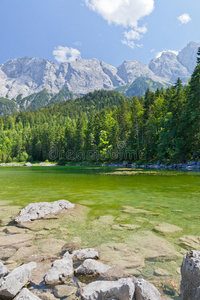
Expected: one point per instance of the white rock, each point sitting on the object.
(146, 291)
(40, 210)
(3, 270)
(11, 284)
(123, 289)
(92, 267)
(87, 253)
(60, 271)
(25, 294)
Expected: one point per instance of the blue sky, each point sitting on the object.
(109, 30)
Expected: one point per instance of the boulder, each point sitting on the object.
(41, 210)
(190, 272)
(123, 289)
(60, 271)
(3, 270)
(92, 267)
(11, 284)
(146, 291)
(83, 254)
(25, 294)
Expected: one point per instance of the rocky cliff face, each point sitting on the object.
(167, 66)
(170, 65)
(25, 76)
(187, 56)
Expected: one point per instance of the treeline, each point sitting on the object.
(163, 125)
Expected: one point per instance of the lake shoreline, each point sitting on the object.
(190, 166)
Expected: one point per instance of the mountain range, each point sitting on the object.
(21, 79)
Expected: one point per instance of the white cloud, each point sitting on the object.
(132, 35)
(131, 44)
(184, 18)
(122, 12)
(126, 13)
(77, 43)
(65, 54)
(142, 29)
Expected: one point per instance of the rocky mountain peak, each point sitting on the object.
(187, 56)
(28, 75)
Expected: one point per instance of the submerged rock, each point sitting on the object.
(190, 271)
(92, 267)
(25, 294)
(133, 210)
(166, 228)
(40, 210)
(131, 255)
(146, 291)
(64, 291)
(83, 254)
(190, 242)
(11, 284)
(123, 289)
(60, 271)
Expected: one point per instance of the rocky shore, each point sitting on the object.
(36, 267)
(189, 166)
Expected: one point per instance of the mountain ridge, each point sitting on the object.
(28, 75)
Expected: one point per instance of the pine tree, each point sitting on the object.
(191, 116)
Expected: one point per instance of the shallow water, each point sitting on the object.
(175, 196)
(172, 197)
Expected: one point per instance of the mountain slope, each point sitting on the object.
(170, 65)
(32, 83)
(26, 76)
(139, 87)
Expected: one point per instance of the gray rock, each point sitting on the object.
(11, 284)
(168, 67)
(3, 270)
(28, 164)
(60, 271)
(123, 289)
(187, 56)
(40, 210)
(92, 267)
(25, 294)
(87, 253)
(190, 271)
(146, 291)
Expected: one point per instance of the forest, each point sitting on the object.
(106, 126)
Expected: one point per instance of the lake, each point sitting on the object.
(114, 201)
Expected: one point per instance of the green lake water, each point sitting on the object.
(172, 197)
(175, 196)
